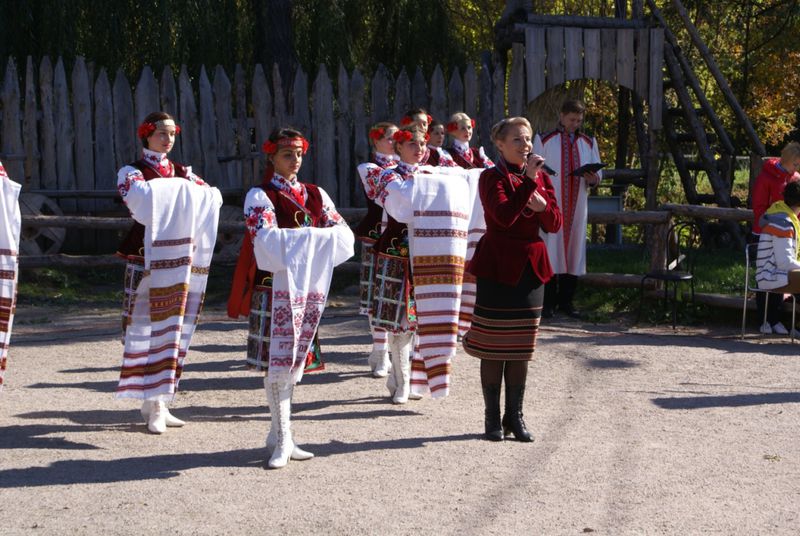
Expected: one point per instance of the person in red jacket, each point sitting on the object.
(767, 189)
(511, 266)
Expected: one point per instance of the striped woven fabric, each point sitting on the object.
(438, 245)
(506, 319)
(181, 220)
(503, 334)
(477, 228)
(10, 223)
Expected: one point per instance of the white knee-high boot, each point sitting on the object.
(400, 345)
(379, 358)
(280, 404)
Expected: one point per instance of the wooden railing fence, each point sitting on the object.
(66, 134)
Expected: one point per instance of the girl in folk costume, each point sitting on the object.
(422, 119)
(437, 155)
(294, 238)
(10, 224)
(169, 251)
(511, 267)
(368, 231)
(393, 297)
(460, 128)
(419, 116)
(565, 150)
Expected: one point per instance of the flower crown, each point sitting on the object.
(146, 129)
(452, 126)
(271, 147)
(402, 136)
(407, 120)
(377, 133)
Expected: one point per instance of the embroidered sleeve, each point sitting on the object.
(384, 179)
(259, 213)
(487, 162)
(330, 216)
(369, 174)
(127, 177)
(194, 177)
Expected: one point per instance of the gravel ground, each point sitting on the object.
(638, 431)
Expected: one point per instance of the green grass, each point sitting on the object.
(719, 271)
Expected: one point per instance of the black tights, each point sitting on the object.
(492, 372)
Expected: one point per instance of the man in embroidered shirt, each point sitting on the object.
(566, 149)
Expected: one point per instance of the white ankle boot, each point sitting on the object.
(400, 346)
(171, 420)
(272, 437)
(157, 420)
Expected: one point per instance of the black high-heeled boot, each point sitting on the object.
(491, 399)
(512, 420)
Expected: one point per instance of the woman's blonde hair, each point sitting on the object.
(500, 129)
(460, 118)
(378, 130)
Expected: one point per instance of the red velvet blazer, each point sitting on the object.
(512, 231)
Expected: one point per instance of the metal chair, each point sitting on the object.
(681, 243)
(750, 285)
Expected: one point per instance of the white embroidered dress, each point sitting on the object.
(180, 219)
(10, 225)
(301, 261)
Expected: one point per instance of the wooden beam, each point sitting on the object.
(722, 82)
(694, 83)
(583, 22)
(709, 213)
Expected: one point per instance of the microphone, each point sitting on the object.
(547, 169)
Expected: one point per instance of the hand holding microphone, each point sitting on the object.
(536, 162)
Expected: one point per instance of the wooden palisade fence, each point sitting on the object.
(66, 134)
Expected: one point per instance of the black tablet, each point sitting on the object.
(589, 168)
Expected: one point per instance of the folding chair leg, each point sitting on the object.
(641, 299)
(674, 304)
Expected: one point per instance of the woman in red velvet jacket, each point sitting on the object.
(511, 266)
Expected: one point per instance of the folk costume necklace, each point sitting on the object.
(294, 191)
(158, 162)
(514, 177)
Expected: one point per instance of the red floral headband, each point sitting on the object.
(407, 120)
(146, 129)
(271, 147)
(377, 133)
(402, 136)
(452, 126)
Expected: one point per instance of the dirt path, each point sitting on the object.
(637, 432)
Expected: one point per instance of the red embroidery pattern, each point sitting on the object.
(131, 177)
(570, 186)
(257, 218)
